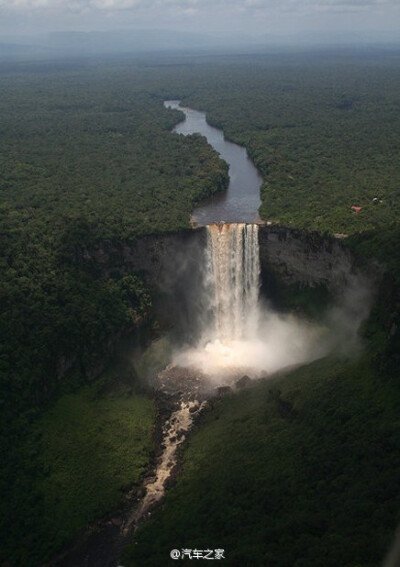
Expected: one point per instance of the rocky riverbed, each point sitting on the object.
(181, 395)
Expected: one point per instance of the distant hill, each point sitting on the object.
(22, 51)
(76, 43)
(140, 41)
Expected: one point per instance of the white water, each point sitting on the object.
(174, 434)
(239, 336)
(232, 276)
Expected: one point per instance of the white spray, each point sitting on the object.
(232, 275)
(239, 335)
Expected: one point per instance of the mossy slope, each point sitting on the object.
(71, 468)
(303, 471)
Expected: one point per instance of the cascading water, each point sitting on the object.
(232, 277)
(229, 344)
(238, 335)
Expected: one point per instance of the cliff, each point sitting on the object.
(294, 256)
(171, 265)
(299, 270)
(306, 258)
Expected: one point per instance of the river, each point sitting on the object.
(241, 201)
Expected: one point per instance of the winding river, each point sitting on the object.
(241, 201)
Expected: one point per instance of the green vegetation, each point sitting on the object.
(71, 467)
(303, 471)
(154, 359)
(382, 330)
(86, 157)
(322, 129)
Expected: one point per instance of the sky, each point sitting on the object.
(224, 17)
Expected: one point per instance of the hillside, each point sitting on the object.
(302, 471)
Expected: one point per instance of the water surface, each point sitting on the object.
(241, 201)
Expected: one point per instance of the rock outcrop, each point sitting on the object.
(305, 258)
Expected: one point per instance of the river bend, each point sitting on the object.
(240, 203)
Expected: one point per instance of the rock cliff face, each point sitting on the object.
(171, 266)
(173, 261)
(155, 256)
(305, 258)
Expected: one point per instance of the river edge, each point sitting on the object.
(241, 200)
(101, 543)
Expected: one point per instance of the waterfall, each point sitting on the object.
(233, 280)
(237, 335)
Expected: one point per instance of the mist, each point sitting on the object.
(282, 340)
(239, 333)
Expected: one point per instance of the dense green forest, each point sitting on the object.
(322, 131)
(87, 158)
(298, 472)
(72, 466)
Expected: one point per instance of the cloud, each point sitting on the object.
(206, 16)
(115, 4)
(101, 4)
(300, 5)
(61, 5)
(160, 7)
(198, 5)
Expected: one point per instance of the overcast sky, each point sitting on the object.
(279, 17)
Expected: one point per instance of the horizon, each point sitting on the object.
(142, 42)
(187, 24)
